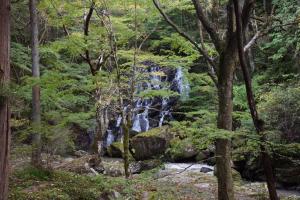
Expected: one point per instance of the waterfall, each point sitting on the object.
(109, 138)
(183, 86)
(119, 120)
(164, 111)
(155, 77)
(141, 121)
(151, 112)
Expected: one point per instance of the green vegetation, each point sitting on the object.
(93, 67)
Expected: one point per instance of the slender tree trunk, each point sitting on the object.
(258, 123)
(223, 146)
(4, 101)
(36, 103)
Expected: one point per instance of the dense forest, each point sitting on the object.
(149, 99)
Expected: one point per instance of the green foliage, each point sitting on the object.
(158, 93)
(54, 185)
(284, 39)
(174, 45)
(281, 111)
(203, 96)
(20, 57)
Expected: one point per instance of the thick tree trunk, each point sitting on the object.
(223, 146)
(36, 103)
(4, 101)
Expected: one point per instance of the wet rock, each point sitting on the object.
(138, 167)
(206, 170)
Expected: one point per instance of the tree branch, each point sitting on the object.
(208, 26)
(252, 41)
(184, 34)
(246, 12)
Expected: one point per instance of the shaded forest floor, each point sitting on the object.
(165, 183)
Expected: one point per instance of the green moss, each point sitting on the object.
(158, 132)
(181, 149)
(115, 149)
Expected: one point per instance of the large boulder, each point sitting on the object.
(115, 150)
(150, 144)
(181, 150)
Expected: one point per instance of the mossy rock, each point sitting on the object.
(115, 150)
(151, 143)
(181, 150)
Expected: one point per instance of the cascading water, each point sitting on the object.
(141, 121)
(183, 86)
(152, 112)
(110, 138)
(164, 111)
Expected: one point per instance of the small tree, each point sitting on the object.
(36, 103)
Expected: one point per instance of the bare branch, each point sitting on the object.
(252, 41)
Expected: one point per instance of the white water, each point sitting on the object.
(187, 167)
(182, 84)
(119, 120)
(110, 138)
(141, 121)
(140, 116)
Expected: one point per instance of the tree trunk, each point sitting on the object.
(223, 146)
(126, 128)
(4, 101)
(36, 103)
(258, 123)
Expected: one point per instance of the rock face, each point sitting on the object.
(150, 144)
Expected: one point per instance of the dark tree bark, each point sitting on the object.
(36, 103)
(258, 123)
(268, 6)
(4, 101)
(223, 146)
